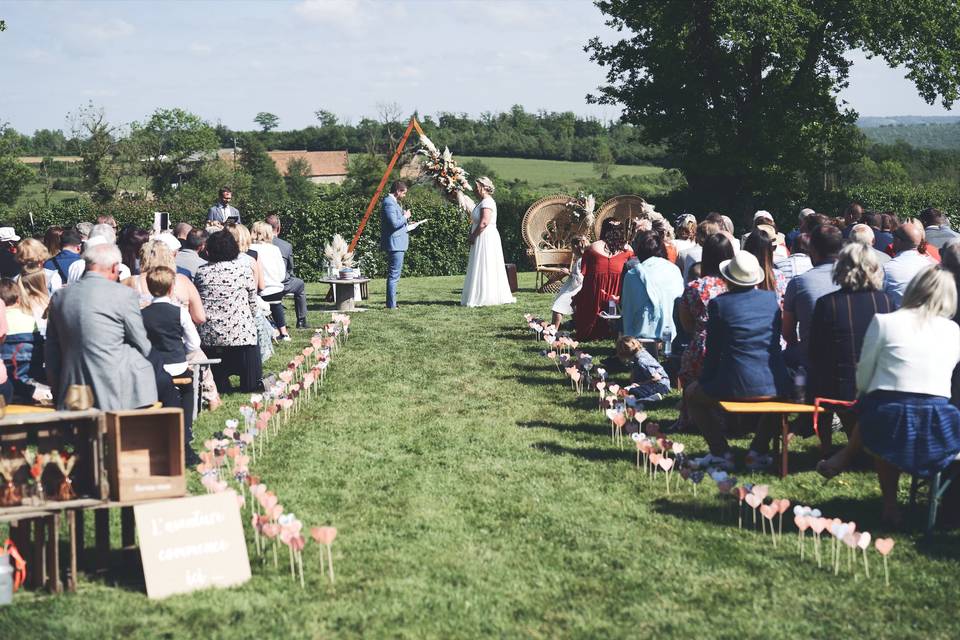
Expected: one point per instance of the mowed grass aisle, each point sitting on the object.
(476, 496)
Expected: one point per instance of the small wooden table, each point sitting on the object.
(343, 292)
(782, 408)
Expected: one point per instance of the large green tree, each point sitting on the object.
(266, 182)
(744, 92)
(267, 121)
(174, 142)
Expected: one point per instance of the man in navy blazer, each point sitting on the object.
(394, 239)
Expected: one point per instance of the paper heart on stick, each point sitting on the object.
(817, 525)
(802, 522)
(619, 419)
(271, 530)
(575, 375)
(678, 447)
(614, 388)
(851, 540)
(884, 545)
(864, 540)
(655, 458)
(753, 500)
(268, 501)
(761, 491)
(782, 505)
(276, 511)
(839, 531)
(666, 463)
(768, 511)
(324, 535)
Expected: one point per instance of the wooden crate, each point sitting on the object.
(53, 430)
(145, 454)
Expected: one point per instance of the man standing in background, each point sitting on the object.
(394, 239)
(291, 285)
(222, 211)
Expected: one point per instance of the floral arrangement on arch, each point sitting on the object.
(439, 168)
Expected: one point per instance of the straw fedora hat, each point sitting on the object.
(742, 271)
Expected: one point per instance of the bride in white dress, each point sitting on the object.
(486, 283)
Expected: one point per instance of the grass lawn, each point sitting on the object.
(477, 496)
(555, 173)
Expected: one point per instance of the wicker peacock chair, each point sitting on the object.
(548, 229)
(623, 208)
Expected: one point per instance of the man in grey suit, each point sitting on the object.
(292, 285)
(222, 211)
(394, 239)
(937, 227)
(188, 258)
(95, 337)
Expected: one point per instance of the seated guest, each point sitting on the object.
(51, 239)
(70, 242)
(905, 418)
(925, 249)
(798, 262)
(274, 271)
(650, 290)
(173, 245)
(761, 244)
(864, 235)
(649, 381)
(907, 262)
(292, 285)
(181, 230)
(685, 233)
(563, 303)
(99, 234)
(156, 253)
(130, 241)
(172, 334)
(8, 252)
(882, 237)
(95, 338)
(602, 271)
(188, 257)
(22, 350)
(852, 215)
(229, 296)
(32, 255)
(691, 256)
(265, 331)
(840, 321)
(695, 300)
(799, 230)
(802, 292)
(937, 227)
(743, 360)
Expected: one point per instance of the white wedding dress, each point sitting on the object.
(486, 283)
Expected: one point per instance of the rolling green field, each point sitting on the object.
(477, 496)
(559, 173)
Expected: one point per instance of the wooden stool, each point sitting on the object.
(782, 408)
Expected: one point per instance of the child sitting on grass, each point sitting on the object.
(649, 381)
(563, 303)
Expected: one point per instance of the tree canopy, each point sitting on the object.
(744, 92)
(267, 121)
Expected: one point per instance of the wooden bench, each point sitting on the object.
(783, 409)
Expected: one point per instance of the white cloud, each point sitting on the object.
(340, 12)
(112, 29)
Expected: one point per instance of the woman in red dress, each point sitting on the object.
(602, 268)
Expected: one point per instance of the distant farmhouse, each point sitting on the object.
(326, 167)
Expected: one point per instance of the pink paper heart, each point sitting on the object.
(324, 535)
(666, 463)
(802, 522)
(753, 500)
(884, 545)
(768, 511)
(864, 540)
(761, 491)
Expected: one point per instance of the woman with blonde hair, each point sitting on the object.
(905, 419)
(157, 254)
(274, 271)
(249, 257)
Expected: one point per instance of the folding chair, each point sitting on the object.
(938, 484)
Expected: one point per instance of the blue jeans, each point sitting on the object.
(394, 267)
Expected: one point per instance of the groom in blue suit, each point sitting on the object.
(394, 239)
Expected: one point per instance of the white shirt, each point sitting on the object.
(191, 339)
(75, 272)
(273, 268)
(898, 273)
(903, 351)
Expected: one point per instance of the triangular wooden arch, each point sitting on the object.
(413, 124)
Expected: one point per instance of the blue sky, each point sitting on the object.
(228, 60)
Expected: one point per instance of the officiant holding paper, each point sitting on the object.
(394, 238)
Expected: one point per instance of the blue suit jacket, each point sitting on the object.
(743, 347)
(393, 226)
